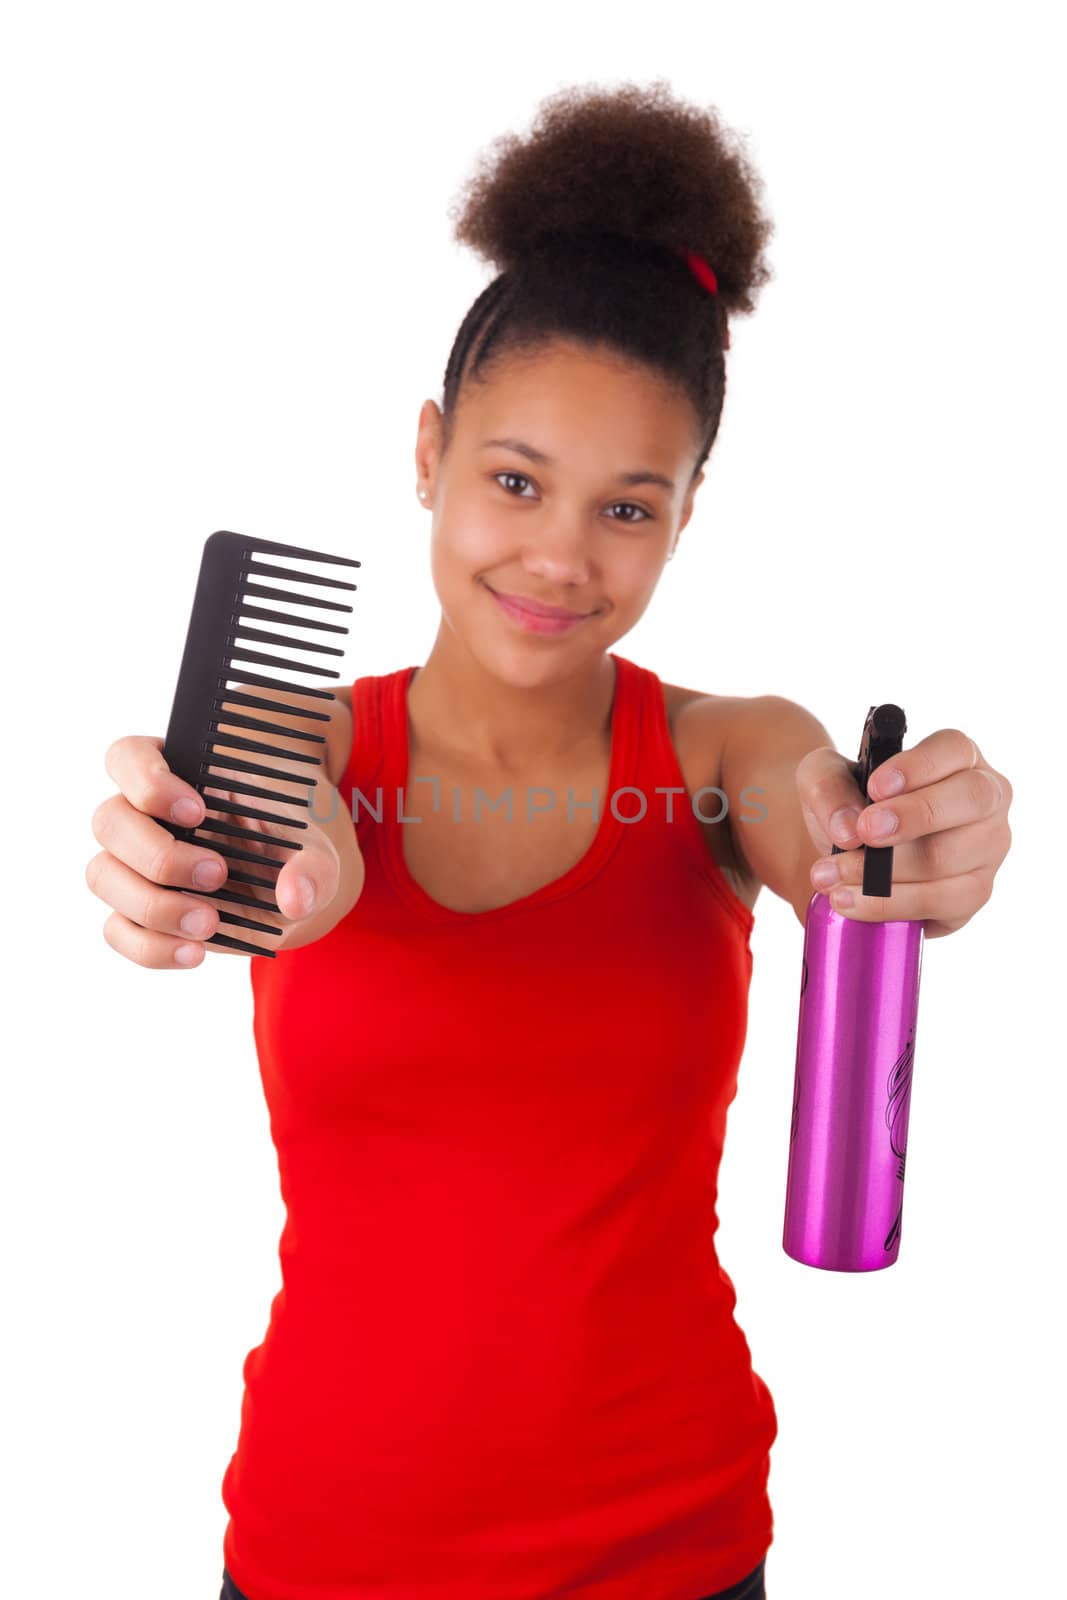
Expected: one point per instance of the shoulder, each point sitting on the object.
(700, 726)
(767, 737)
(721, 732)
(769, 731)
(740, 743)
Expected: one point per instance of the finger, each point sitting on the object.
(143, 902)
(941, 906)
(309, 881)
(136, 766)
(973, 795)
(830, 797)
(150, 949)
(150, 850)
(937, 756)
(970, 848)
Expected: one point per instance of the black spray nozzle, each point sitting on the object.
(883, 737)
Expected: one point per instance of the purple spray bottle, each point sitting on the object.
(859, 1003)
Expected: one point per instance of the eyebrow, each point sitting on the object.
(644, 475)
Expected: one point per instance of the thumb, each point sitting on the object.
(309, 879)
(830, 798)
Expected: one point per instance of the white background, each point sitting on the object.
(229, 285)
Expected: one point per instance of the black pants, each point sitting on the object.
(750, 1588)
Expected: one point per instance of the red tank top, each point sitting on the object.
(503, 1362)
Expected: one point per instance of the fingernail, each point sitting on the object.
(196, 923)
(841, 898)
(884, 783)
(208, 874)
(186, 811)
(187, 955)
(843, 823)
(826, 873)
(306, 894)
(880, 823)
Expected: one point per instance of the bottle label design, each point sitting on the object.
(897, 1122)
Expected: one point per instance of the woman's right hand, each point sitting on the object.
(158, 926)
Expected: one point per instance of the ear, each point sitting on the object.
(428, 442)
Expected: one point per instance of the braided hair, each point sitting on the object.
(588, 221)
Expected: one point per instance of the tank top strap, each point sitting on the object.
(655, 764)
(370, 756)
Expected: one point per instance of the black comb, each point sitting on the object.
(226, 594)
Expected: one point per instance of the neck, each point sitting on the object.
(462, 710)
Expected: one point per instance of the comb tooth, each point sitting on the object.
(240, 944)
(237, 787)
(232, 809)
(187, 837)
(237, 652)
(281, 638)
(243, 899)
(209, 825)
(235, 719)
(249, 922)
(239, 742)
(262, 614)
(228, 894)
(266, 570)
(235, 855)
(276, 683)
(235, 697)
(300, 599)
(249, 877)
(294, 550)
(249, 766)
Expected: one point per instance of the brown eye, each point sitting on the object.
(645, 516)
(632, 507)
(520, 475)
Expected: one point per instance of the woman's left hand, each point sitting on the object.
(950, 830)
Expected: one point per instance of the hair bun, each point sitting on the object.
(633, 162)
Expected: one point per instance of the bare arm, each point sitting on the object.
(767, 738)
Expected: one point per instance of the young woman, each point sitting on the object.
(500, 1036)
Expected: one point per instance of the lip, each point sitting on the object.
(538, 619)
(557, 613)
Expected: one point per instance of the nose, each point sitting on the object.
(559, 554)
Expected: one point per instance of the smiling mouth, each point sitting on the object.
(536, 609)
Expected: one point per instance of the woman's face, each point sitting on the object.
(567, 530)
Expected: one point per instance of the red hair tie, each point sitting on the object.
(702, 271)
